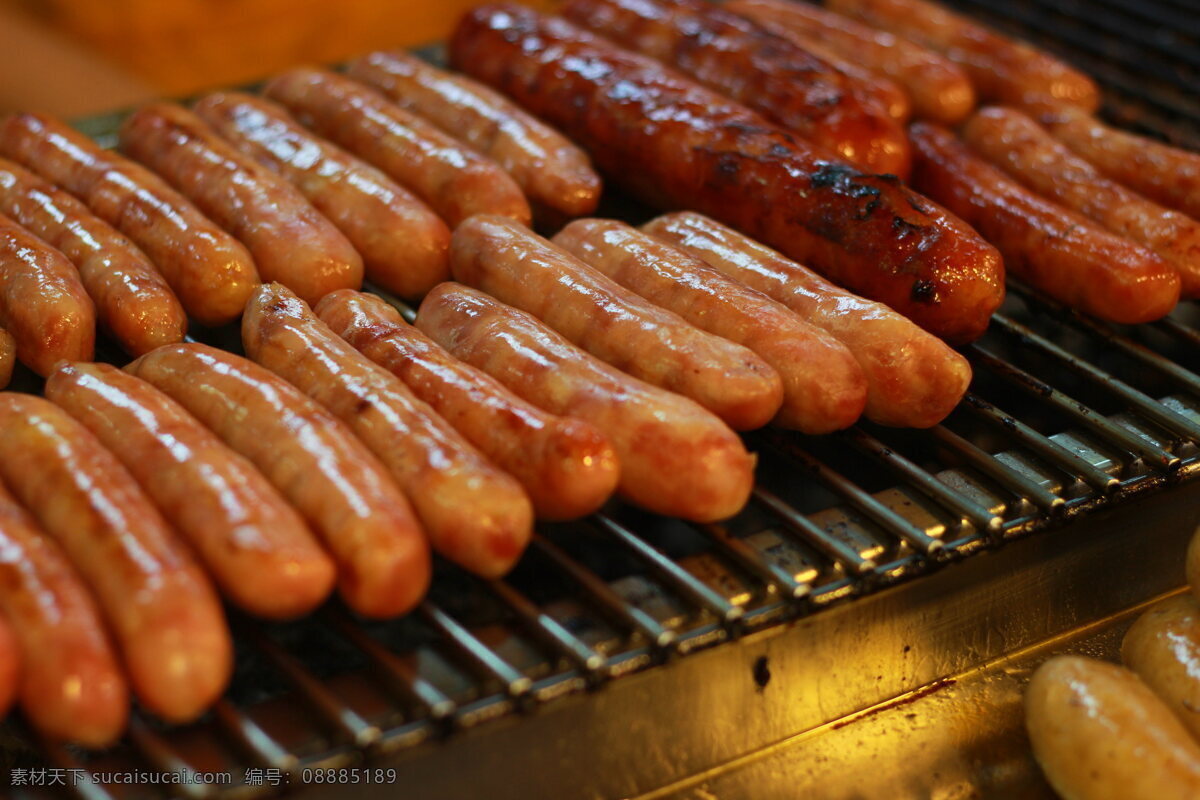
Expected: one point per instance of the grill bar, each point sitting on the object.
(808, 531)
(250, 740)
(752, 561)
(165, 759)
(487, 662)
(549, 631)
(1024, 487)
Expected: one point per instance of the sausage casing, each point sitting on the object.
(676, 458)
(675, 144)
(72, 685)
(913, 378)
(454, 180)
(1057, 250)
(568, 468)
(11, 667)
(402, 241)
(1003, 70)
(158, 603)
(770, 74)
(8, 357)
(133, 301)
(518, 267)
(475, 515)
(291, 241)
(1163, 648)
(42, 302)
(314, 461)
(210, 271)
(824, 388)
(1101, 734)
(939, 89)
(545, 164)
(255, 546)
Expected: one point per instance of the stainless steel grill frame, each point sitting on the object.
(605, 665)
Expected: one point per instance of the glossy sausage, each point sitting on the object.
(1163, 173)
(454, 180)
(316, 464)
(255, 546)
(1101, 734)
(42, 301)
(291, 241)
(824, 388)
(1003, 70)
(550, 169)
(518, 267)
(770, 74)
(913, 379)
(1023, 149)
(676, 458)
(568, 468)
(1056, 250)
(939, 89)
(674, 144)
(1163, 648)
(8, 357)
(475, 515)
(72, 685)
(133, 301)
(402, 242)
(210, 271)
(159, 605)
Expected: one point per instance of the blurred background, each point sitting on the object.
(78, 57)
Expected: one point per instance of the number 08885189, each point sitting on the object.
(349, 775)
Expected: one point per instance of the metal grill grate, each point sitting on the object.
(1066, 416)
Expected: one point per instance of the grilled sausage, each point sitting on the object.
(676, 458)
(255, 546)
(824, 388)
(770, 74)
(1003, 70)
(1023, 149)
(1163, 173)
(675, 144)
(72, 687)
(314, 461)
(1101, 734)
(402, 242)
(1163, 648)
(1058, 251)
(454, 180)
(11, 668)
(291, 242)
(518, 267)
(545, 164)
(475, 515)
(8, 357)
(568, 468)
(160, 606)
(939, 89)
(210, 271)
(42, 302)
(913, 379)
(133, 301)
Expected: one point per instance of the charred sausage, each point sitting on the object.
(824, 388)
(518, 267)
(550, 169)
(676, 458)
(132, 299)
(1060, 252)
(1163, 648)
(454, 180)
(675, 144)
(402, 242)
(210, 271)
(314, 461)
(255, 546)
(475, 515)
(158, 603)
(913, 379)
(291, 241)
(42, 301)
(1003, 70)
(568, 468)
(772, 75)
(72, 687)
